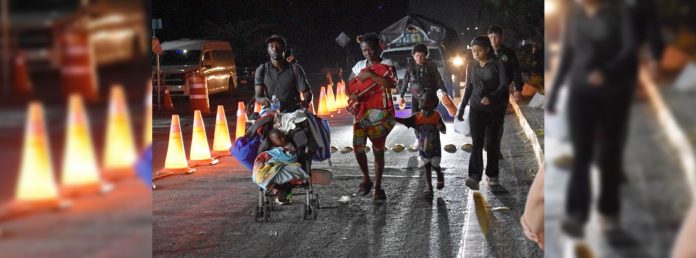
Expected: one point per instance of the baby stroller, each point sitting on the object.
(302, 137)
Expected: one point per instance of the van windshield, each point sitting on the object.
(179, 57)
(400, 58)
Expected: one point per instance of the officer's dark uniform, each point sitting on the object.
(508, 58)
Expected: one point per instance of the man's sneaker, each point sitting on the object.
(493, 181)
(472, 183)
(380, 197)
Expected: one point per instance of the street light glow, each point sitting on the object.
(550, 7)
(458, 61)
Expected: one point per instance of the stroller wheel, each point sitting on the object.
(314, 209)
(274, 207)
(267, 212)
(258, 214)
(316, 201)
(306, 212)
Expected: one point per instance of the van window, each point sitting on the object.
(223, 57)
(206, 56)
(180, 57)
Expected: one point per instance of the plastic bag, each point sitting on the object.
(462, 127)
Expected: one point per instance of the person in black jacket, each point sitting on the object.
(508, 57)
(486, 91)
(421, 77)
(597, 54)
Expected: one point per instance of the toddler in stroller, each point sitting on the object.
(285, 164)
(277, 170)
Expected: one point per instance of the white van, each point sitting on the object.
(213, 59)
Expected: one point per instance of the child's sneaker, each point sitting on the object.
(440, 181)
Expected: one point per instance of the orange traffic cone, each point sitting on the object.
(257, 107)
(241, 121)
(21, 83)
(78, 69)
(341, 98)
(330, 98)
(80, 172)
(147, 132)
(167, 104)
(200, 152)
(221, 142)
(36, 187)
(198, 93)
(323, 109)
(175, 162)
(338, 96)
(119, 148)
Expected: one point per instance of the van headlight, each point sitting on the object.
(457, 61)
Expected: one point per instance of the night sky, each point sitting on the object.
(311, 26)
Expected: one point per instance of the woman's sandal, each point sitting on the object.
(365, 188)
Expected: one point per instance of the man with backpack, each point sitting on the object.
(278, 85)
(282, 79)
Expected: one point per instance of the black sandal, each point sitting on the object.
(380, 197)
(428, 193)
(365, 188)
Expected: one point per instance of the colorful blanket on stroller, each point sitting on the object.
(276, 166)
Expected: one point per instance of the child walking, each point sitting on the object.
(429, 124)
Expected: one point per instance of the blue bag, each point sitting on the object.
(321, 130)
(144, 165)
(245, 150)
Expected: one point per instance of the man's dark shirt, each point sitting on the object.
(508, 57)
(646, 25)
(488, 81)
(285, 83)
(419, 79)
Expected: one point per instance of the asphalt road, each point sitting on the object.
(210, 213)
